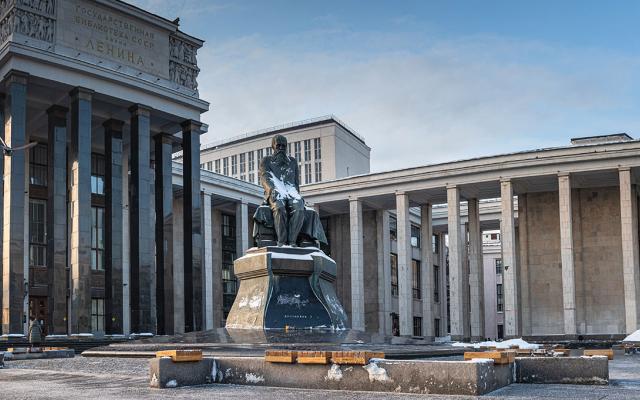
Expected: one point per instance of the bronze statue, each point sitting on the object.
(281, 182)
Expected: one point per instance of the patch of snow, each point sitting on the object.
(287, 256)
(442, 339)
(292, 300)
(243, 302)
(634, 337)
(253, 378)
(376, 373)
(171, 384)
(56, 336)
(500, 345)
(482, 360)
(334, 373)
(321, 254)
(154, 380)
(255, 302)
(285, 190)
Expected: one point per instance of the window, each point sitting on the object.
(436, 283)
(251, 161)
(202, 166)
(97, 238)
(436, 327)
(417, 326)
(499, 298)
(229, 282)
(260, 156)
(318, 171)
(210, 165)
(38, 165)
(307, 173)
(243, 177)
(234, 165)
(498, 265)
(296, 147)
(97, 174)
(317, 149)
(394, 274)
(252, 177)
(243, 165)
(435, 244)
(225, 166)
(269, 151)
(393, 228)
(217, 166)
(415, 236)
(307, 150)
(415, 281)
(97, 315)
(37, 233)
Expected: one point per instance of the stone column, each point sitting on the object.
(57, 220)
(242, 228)
(566, 254)
(216, 256)
(208, 261)
(113, 251)
(164, 233)
(444, 319)
(384, 272)
(427, 284)
(630, 264)
(126, 252)
(192, 226)
(80, 159)
(457, 282)
(140, 221)
(509, 276)
(357, 265)
(14, 254)
(405, 275)
(476, 272)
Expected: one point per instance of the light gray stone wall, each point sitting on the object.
(597, 257)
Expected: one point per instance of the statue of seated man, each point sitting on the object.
(280, 179)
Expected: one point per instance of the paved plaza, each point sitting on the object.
(117, 378)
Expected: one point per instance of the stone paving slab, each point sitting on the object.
(112, 378)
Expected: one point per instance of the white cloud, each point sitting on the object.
(430, 97)
(454, 99)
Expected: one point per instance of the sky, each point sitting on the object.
(422, 81)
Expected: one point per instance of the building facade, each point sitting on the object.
(325, 148)
(101, 93)
(104, 233)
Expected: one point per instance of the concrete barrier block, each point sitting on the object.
(570, 370)
(407, 376)
(165, 373)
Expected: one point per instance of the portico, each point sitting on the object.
(79, 244)
(587, 177)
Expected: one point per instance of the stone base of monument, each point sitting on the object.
(474, 377)
(286, 288)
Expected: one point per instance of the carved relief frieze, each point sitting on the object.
(183, 65)
(29, 18)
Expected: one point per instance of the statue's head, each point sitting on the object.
(279, 144)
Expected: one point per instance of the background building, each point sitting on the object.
(325, 147)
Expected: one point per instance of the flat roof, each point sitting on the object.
(307, 123)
